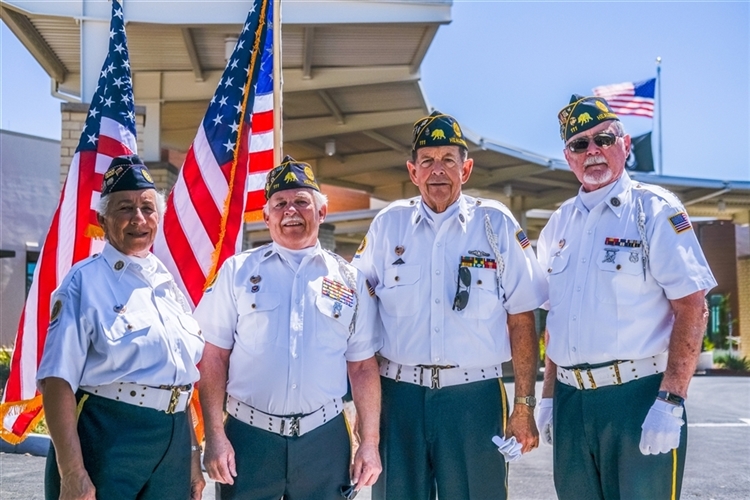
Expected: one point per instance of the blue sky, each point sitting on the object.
(505, 69)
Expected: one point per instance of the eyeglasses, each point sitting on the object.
(349, 491)
(603, 140)
(462, 296)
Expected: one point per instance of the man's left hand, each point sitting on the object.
(661, 428)
(366, 467)
(521, 425)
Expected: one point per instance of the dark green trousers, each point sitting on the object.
(313, 466)
(440, 441)
(596, 436)
(130, 452)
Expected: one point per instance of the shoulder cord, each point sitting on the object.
(352, 282)
(492, 240)
(642, 231)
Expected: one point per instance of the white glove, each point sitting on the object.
(661, 429)
(510, 448)
(544, 420)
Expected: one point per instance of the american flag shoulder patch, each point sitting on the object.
(370, 288)
(680, 222)
(522, 239)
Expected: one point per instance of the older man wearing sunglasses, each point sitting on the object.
(456, 281)
(627, 280)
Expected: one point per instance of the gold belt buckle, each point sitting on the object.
(174, 399)
(579, 379)
(435, 379)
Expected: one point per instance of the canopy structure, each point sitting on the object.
(351, 92)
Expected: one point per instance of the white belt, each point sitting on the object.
(284, 426)
(436, 376)
(619, 372)
(166, 399)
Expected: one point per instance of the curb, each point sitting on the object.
(35, 444)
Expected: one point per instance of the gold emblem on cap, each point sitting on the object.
(309, 172)
(119, 265)
(456, 129)
(400, 250)
(290, 177)
(601, 106)
(437, 134)
(146, 175)
(584, 118)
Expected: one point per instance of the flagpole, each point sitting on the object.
(658, 90)
(277, 83)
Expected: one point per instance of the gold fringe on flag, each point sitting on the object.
(10, 411)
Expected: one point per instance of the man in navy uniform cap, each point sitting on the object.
(457, 283)
(285, 323)
(627, 280)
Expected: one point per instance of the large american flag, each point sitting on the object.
(74, 234)
(630, 98)
(230, 155)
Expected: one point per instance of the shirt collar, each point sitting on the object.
(116, 260)
(616, 197)
(273, 249)
(420, 214)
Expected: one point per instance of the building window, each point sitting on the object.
(32, 257)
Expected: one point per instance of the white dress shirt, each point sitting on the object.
(602, 305)
(288, 327)
(112, 321)
(413, 266)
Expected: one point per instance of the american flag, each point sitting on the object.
(203, 222)
(680, 222)
(74, 234)
(630, 98)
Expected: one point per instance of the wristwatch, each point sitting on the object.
(671, 398)
(529, 401)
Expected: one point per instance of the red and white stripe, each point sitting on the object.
(621, 98)
(261, 152)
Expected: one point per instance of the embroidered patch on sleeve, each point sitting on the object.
(55, 314)
(522, 239)
(680, 222)
(361, 248)
(370, 288)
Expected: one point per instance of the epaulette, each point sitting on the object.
(406, 203)
(664, 194)
(494, 205)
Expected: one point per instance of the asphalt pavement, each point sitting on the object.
(717, 466)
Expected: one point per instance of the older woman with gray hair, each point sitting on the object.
(120, 361)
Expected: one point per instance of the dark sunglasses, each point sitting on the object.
(603, 140)
(349, 491)
(462, 296)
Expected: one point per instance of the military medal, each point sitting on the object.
(119, 265)
(633, 257)
(255, 279)
(255, 288)
(119, 308)
(337, 309)
(610, 257)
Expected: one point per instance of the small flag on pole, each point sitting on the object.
(74, 234)
(629, 98)
(205, 210)
(641, 159)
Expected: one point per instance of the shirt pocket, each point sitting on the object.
(257, 324)
(483, 297)
(126, 324)
(556, 277)
(620, 276)
(400, 290)
(332, 322)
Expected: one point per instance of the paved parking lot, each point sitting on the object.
(717, 468)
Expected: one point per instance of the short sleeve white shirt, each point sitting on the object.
(414, 265)
(604, 304)
(113, 322)
(289, 330)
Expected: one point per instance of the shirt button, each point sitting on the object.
(294, 386)
(573, 349)
(578, 289)
(437, 358)
(437, 301)
(439, 244)
(437, 329)
(589, 231)
(583, 260)
(437, 272)
(575, 318)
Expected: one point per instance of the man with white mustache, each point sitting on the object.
(627, 281)
(284, 324)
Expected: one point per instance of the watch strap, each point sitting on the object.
(670, 397)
